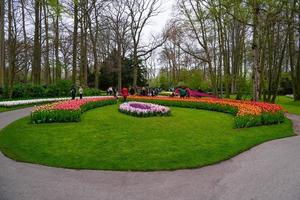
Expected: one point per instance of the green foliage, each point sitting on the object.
(93, 92)
(243, 88)
(63, 87)
(60, 89)
(165, 93)
(28, 91)
(264, 119)
(109, 73)
(164, 83)
(247, 121)
(289, 104)
(286, 85)
(49, 116)
(192, 78)
(107, 139)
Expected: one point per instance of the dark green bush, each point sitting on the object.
(59, 89)
(93, 92)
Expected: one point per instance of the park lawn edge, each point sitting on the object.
(12, 156)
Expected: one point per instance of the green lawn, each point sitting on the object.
(5, 109)
(107, 139)
(289, 104)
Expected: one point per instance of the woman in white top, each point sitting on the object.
(80, 92)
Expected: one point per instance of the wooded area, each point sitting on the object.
(226, 47)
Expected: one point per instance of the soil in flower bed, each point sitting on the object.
(109, 140)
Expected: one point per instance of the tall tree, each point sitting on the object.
(119, 24)
(294, 56)
(2, 44)
(12, 39)
(47, 75)
(36, 61)
(140, 12)
(56, 42)
(75, 38)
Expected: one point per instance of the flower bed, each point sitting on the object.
(12, 103)
(247, 113)
(67, 111)
(139, 109)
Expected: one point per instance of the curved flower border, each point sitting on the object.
(140, 109)
(247, 113)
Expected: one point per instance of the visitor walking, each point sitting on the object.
(188, 92)
(124, 92)
(110, 91)
(115, 93)
(73, 92)
(182, 92)
(80, 92)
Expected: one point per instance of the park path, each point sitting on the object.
(270, 171)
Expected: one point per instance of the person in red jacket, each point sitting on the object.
(124, 92)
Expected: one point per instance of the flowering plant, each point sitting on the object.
(67, 111)
(34, 101)
(247, 113)
(140, 109)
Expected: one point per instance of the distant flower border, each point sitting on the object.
(140, 109)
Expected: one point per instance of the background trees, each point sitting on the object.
(235, 44)
(245, 47)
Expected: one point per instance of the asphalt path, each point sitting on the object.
(270, 171)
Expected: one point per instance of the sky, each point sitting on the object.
(158, 22)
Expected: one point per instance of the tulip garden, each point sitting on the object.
(143, 133)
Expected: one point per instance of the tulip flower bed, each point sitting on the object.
(67, 111)
(247, 113)
(139, 109)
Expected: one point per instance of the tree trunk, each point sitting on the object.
(36, 64)
(297, 70)
(47, 75)
(255, 51)
(2, 44)
(56, 44)
(75, 33)
(11, 47)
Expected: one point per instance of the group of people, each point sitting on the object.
(73, 92)
(183, 92)
(141, 91)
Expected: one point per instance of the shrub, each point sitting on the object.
(93, 92)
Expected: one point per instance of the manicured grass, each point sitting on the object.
(5, 109)
(108, 139)
(289, 104)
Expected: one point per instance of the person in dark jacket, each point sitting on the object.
(73, 92)
(182, 92)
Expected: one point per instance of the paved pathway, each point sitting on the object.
(270, 171)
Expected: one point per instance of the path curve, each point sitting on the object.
(267, 171)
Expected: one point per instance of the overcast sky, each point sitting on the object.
(158, 22)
